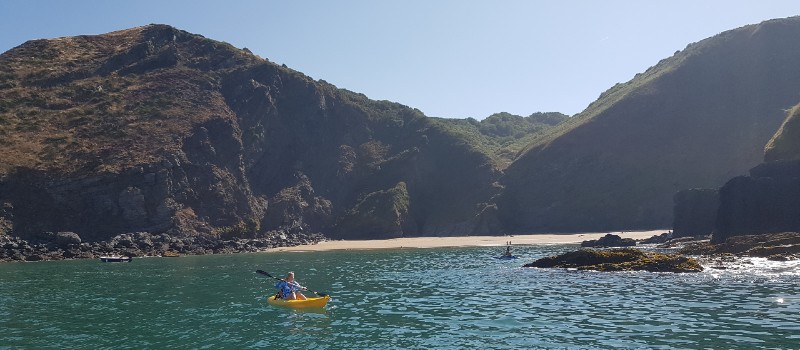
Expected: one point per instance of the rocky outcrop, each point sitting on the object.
(6, 218)
(381, 214)
(657, 239)
(775, 246)
(609, 240)
(298, 208)
(695, 212)
(148, 198)
(619, 260)
(768, 201)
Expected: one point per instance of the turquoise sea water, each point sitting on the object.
(455, 298)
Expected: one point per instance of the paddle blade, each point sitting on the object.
(265, 273)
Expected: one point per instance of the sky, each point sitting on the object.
(447, 58)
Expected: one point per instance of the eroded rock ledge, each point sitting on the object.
(774, 246)
(627, 259)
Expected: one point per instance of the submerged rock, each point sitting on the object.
(619, 260)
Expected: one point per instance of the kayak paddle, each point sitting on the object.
(265, 273)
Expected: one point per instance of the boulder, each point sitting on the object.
(609, 240)
(658, 239)
(66, 240)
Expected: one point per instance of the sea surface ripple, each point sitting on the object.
(453, 298)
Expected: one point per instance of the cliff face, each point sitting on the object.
(155, 129)
(692, 121)
(766, 201)
(754, 205)
(695, 212)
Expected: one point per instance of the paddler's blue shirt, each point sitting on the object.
(286, 288)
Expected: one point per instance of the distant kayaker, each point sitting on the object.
(289, 289)
(508, 249)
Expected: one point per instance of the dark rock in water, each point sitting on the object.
(786, 245)
(609, 240)
(779, 257)
(658, 239)
(619, 260)
(695, 212)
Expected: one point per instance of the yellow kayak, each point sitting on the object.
(308, 303)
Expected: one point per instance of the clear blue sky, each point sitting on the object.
(448, 58)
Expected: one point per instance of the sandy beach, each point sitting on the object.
(465, 241)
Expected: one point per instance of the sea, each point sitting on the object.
(442, 298)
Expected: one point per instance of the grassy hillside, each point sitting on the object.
(502, 135)
(121, 97)
(785, 145)
(695, 119)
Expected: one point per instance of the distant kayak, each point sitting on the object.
(115, 259)
(297, 304)
(506, 257)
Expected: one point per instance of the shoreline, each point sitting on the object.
(463, 241)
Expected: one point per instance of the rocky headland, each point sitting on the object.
(68, 245)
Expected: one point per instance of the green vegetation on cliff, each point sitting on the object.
(502, 135)
(785, 145)
(69, 102)
(381, 213)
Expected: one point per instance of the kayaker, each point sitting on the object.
(508, 249)
(289, 289)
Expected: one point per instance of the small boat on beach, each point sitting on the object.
(115, 258)
(170, 254)
(298, 304)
